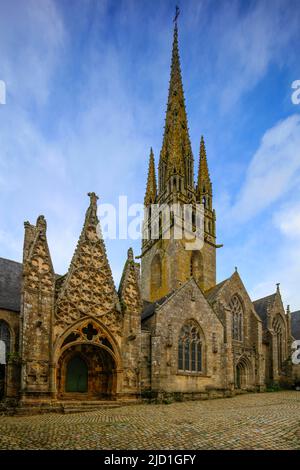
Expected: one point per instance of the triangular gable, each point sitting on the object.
(212, 294)
(193, 288)
(88, 288)
(269, 304)
(222, 288)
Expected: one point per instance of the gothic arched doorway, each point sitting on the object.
(243, 374)
(86, 371)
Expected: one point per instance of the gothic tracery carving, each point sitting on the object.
(237, 318)
(88, 288)
(88, 332)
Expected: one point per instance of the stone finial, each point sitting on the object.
(93, 198)
(41, 223)
(177, 12)
(235, 269)
(130, 254)
(277, 287)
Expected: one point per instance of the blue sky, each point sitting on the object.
(87, 85)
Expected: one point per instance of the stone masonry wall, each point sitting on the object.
(187, 303)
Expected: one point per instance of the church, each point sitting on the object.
(169, 332)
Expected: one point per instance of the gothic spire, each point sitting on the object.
(176, 153)
(203, 183)
(150, 195)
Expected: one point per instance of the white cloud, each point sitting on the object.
(38, 29)
(250, 43)
(273, 170)
(287, 219)
(270, 187)
(286, 271)
(97, 147)
(101, 138)
(271, 247)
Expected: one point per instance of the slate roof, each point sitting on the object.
(149, 307)
(10, 284)
(295, 324)
(212, 293)
(261, 306)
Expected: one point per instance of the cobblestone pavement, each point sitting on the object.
(254, 421)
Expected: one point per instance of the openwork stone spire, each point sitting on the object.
(129, 289)
(176, 154)
(151, 189)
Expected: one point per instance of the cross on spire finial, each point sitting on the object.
(177, 11)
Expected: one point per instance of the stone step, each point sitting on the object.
(78, 407)
(70, 406)
(86, 409)
(86, 402)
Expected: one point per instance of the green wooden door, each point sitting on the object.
(77, 375)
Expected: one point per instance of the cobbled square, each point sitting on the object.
(267, 421)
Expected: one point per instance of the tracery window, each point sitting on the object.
(237, 318)
(279, 329)
(190, 348)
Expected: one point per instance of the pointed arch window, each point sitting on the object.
(279, 329)
(174, 183)
(156, 272)
(237, 318)
(190, 348)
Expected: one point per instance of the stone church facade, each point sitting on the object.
(169, 330)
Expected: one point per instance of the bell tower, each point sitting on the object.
(168, 260)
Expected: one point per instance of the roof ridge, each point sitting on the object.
(10, 260)
(263, 298)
